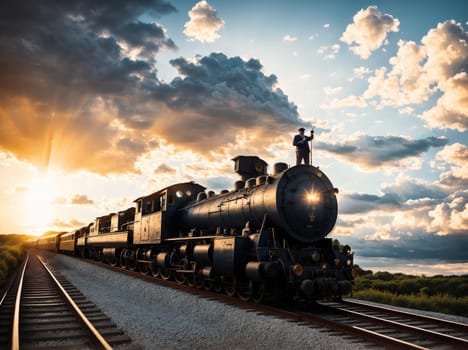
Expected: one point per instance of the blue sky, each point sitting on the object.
(102, 103)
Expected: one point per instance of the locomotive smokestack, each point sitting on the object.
(249, 166)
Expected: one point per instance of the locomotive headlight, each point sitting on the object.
(298, 270)
(179, 194)
(313, 197)
(348, 262)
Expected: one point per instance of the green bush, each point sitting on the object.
(446, 294)
(10, 258)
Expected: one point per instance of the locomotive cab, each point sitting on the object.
(154, 213)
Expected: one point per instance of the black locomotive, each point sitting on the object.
(263, 239)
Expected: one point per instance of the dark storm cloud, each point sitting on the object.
(217, 92)
(375, 152)
(216, 83)
(420, 246)
(361, 203)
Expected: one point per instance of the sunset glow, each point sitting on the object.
(38, 208)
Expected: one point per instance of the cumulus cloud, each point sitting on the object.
(368, 31)
(417, 72)
(220, 93)
(204, 24)
(453, 159)
(451, 110)
(382, 152)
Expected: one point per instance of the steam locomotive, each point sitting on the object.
(265, 239)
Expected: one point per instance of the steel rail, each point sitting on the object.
(402, 326)
(16, 314)
(7, 288)
(419, 317)
(99, 339)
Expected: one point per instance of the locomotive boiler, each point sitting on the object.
(274, 228)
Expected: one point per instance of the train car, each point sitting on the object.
(49, 242)
(109, 235)
(81, 241)
(67, 242)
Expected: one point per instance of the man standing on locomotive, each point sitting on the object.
(302, 146)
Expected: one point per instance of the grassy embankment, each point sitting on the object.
(11, 254)
(445, 294)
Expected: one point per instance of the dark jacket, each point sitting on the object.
(302, 143)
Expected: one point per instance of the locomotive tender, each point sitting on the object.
(265, 239)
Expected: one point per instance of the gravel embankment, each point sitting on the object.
(158, 317)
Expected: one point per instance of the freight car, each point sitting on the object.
(265, 239)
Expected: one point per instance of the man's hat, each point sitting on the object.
(301, 129)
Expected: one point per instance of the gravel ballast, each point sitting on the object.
(158, 317)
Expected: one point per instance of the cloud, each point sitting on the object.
(204, 24)
(220, 93)
(374, 153)
(79, 89)
(360, 72)
(63, 67)
(289, 38)
(81, 199)
(164, 169)
(451, 110)
(368, 31)
(349, 101)
(408, 213)
(329, 52)
(418, 72)
(421, 246)
(328, 90)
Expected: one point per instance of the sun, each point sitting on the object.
(38, 207)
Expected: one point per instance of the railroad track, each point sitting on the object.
(41, 310)
(356, 322)
(398, 329)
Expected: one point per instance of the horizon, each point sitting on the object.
(101, 104)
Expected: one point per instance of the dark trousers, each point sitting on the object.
(300, 155)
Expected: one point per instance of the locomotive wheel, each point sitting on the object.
(258, 292)
(179, 277)
(123, 259)
(244, 291)
(218, 284)
(164, 273)
(144, 268)
(112, 260)
(191, 280)
(131, 260)
(230, 286)
(154, 269)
